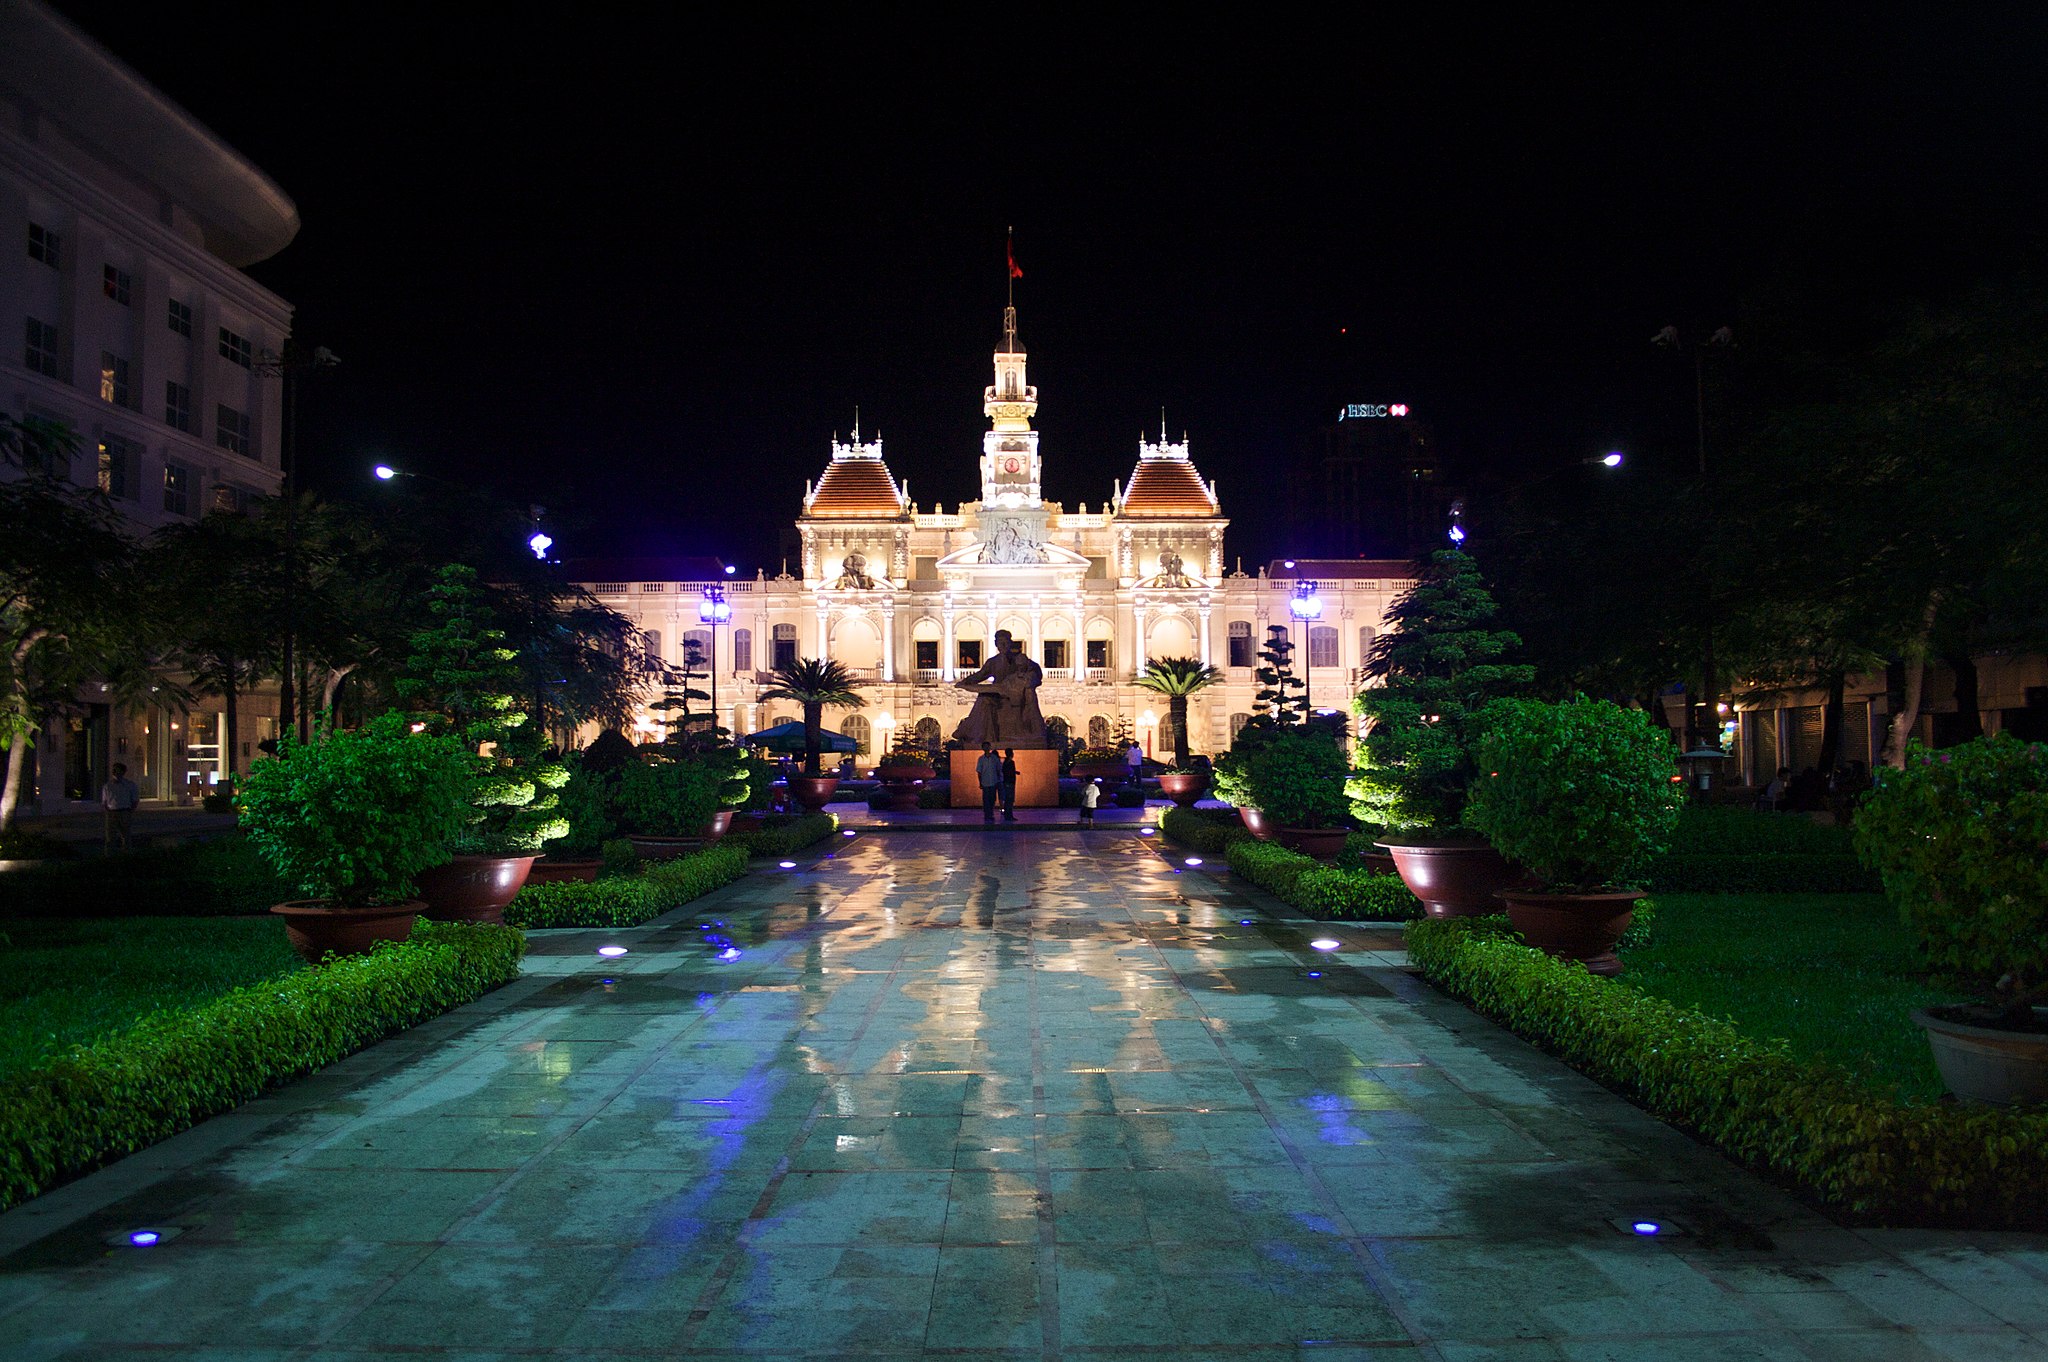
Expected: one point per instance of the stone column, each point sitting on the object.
(1204, 612)
(889, 640)
(824, 627)
(949, 651)
(1037, 630)
(1138, 641)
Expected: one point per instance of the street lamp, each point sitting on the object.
(885, 724)
(1305, 606)
(1705, 730)
(713, 610)
(292, 365)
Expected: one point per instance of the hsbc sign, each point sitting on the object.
(1361, 411)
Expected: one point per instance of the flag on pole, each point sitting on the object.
(1010, 249)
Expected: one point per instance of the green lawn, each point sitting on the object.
(1833, 974)
(63, 981)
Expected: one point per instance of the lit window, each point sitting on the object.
(45, 245)
(177, 406)
(181, 318)
(119, 460)
(970, 655)
(927, 654)
(784, 645)
(1322, 646)
(236, 348)
(231, 429)
(42, 348)
(113, 379)
(116, 285)
(1056, 653)
(1098, 654)
(177, 489)
(743, 650)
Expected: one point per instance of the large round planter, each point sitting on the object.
(556, 870)
(1111, 771)
(662, 848)
(317, 928)
(1256, 823)
(745, 822)
(1986, 1064)
(813, 792)
(473, 888)
(720, 824)
(1581, 927)
(892, 775)
(1325, 844)
(1378, 862)
(900, 790)
(1454, 879)
(1183, 787)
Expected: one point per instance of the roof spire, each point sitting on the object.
(856, 423)
(1010, 290)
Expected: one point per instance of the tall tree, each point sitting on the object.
(1178, 678)
(815, 684)
(215, 582)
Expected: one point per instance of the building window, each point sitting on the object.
(1098, 655)
(45, 245)
(650, 640)
(119, 462)
(113, 379)
(231, 429)
(698, 640)
(177, 406)
(1322, 646)
(784, 646)
(181, 318)
(743, 650)
(236, 348)
(1240, 643)
(42, 348)
(863, 734)
(970, 655)
(1366, 635)
(116, 285)
(1098, 730)
(927, 654)
(1056, 653)
(1237, 723)
(177, 489)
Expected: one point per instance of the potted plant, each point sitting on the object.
(1296, 780)
(1958, 838)
(1178, 678)
(584, 803)
(1100, 763)
(666, 805)
(351, 820)
(903, 770)
(1583, 794)
(462, 679)
(814, 684)
(1436, 665)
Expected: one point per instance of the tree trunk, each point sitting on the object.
(1969, 720)
(330, 691)
(19, 753)
(232, 743)
(1710, 684)
(814, 717)
(1831, 723)
(1177, 715)
(1915, 666)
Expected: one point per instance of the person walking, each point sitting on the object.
(1091, 795)
(988, 770)
(1010, 785)
(118, 797)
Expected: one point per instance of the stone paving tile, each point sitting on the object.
(1038, 1095)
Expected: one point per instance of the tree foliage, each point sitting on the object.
(814, 684)
(1178, 678)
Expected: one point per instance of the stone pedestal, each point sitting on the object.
(1038, 778)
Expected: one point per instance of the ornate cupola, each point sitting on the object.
(1009, 451)
(857, 485)
(1165, 484)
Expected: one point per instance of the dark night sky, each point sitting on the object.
(642, 268)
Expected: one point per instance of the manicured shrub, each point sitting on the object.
(628, 900)
(219, 877)
(1205, 830)
(662, 798)
(1759, 873)
(1297, 777)
(1805, 1121)
(1957, 837)
(175, 1068)
(584, 804)
(1321, 890)
(1580, 792)
(1722, 830)
(786, 836)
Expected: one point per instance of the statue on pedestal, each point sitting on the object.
(1005, 709)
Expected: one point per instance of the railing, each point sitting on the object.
(1059, 673)
(927, 676)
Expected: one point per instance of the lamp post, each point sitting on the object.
(1306, 605)
(1706, 732)
(291, 366)
(885, 724)
(713, 610)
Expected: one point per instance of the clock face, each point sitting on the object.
(1011, 465)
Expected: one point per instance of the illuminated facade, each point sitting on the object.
(910, 598)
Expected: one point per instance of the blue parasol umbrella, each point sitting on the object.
(789, 737)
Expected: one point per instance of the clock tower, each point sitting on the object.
(1009, 451)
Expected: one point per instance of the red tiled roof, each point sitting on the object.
(1167, 487)
(856, 488)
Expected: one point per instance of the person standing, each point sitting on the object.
(1091, 795)
(118, 797)
(988, 770)
(1135, 759)
(1010, 785)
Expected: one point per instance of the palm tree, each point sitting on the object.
(1177, 678)
(814, 684)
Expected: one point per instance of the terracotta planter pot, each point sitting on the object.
(1325, 844)
(317, 927)
(1255, 822)
(745, 822)
(1111, 771)
(1988, 1064)
(1183, 788)
(662, 848)
(1455, 879)
(1378, 862)
(892, 775)
(900, 787)
(473, 888)
(552, 870)
(813, 792)
(1581, 927)
(720, 824)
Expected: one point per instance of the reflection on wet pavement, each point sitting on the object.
(1037, 1095)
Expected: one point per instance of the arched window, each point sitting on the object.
(927, 734)
(700, 639)
(1240, 643)
(855, 726)
(1058, 730)
(743, 650)
(785, 646)
(1322, 646)
(1238, 721)
(1366, 635)
(1098, 730)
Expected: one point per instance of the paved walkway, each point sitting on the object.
(942, 1096)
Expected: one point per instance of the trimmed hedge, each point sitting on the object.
(628, 900)
(173, 1069)
(1760, 873)
(786, 838)
(1321, 890)
(1202, 829)
(220, 877)
(1807, 1122)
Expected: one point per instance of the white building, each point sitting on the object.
(910, 598)
(124, 230)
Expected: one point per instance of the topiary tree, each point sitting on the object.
(1276, 704)
(462, 680)
(1297, 778)
(1177, 678)
(1439, 663)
